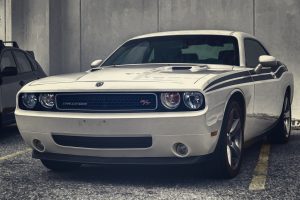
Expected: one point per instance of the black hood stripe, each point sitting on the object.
(245, 77)
(230, 83)
(227, 77)
(262, 77)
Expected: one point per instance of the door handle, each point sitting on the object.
(22, 83)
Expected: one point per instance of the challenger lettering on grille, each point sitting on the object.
(74, 103)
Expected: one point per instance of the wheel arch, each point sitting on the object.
(239, 96)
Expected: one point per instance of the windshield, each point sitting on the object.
(204, 49)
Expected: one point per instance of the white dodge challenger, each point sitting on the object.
(178, 97)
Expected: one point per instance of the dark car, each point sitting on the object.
(17, 68)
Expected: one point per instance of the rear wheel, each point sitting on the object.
(60, 166)
(229, 150)
(280, 134)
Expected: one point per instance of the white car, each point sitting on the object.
(178, 97)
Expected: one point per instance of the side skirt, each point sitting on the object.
(262, 136)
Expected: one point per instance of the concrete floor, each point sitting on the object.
(24, 178)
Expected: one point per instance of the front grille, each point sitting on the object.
(106, 101)
(103, 142)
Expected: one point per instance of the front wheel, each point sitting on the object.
(280, 134)
(229, 150)
(60, 166)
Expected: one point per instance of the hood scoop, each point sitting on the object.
(195, 68)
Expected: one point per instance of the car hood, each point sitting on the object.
(138, 76)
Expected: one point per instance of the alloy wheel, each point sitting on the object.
(234, 138)
(287, 117)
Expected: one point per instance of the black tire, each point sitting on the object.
(0, 120)
(60, 166)
(229, 151)
(280, 134)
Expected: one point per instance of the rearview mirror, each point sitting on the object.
(96, 63)
(265, 61)
(9, 71)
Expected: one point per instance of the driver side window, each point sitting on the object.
(7, 60)
(253, 49)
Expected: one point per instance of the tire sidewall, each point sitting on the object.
(222, 143)
(286, 99)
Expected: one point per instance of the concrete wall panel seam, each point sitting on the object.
(80, 38)
(254, 17)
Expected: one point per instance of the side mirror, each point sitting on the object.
(96, 63)
(268, 61)
(265, 61)
(9, 71)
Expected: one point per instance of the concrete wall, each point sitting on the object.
(2, 19)
(206, 14)
(30, 28)
(106, 24)
(277, 23)
(5, 20)
(67, 35)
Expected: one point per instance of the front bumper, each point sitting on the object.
(165, 129)
(122, 160)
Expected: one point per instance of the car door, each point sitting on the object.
(267, 101)
(9, 88)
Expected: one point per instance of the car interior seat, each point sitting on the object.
(226, 57)
(190, 58)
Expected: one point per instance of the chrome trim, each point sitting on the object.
(281, 66)
(64, 94)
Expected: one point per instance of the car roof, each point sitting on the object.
(196, 32)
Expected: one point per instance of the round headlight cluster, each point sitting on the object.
(47, 100)
(193, 100)
(36, 101)
(29, 100)
(170, 100)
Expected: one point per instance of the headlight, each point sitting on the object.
(47, 100)
(193, 100)
(170, 100)
(29, 100)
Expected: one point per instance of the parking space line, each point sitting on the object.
(258, 181)
(7, 157)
